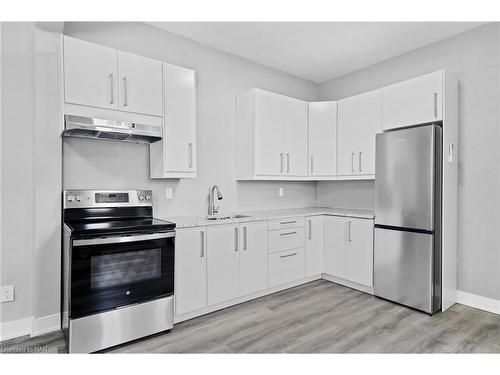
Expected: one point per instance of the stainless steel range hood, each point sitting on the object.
(87, 127)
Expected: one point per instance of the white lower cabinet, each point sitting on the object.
(190, 269)
(253, 257)
(220, 263)
(349, 249)
(314, 245)
(335, 246)
(360, 251)
(223, 263)
(286, 266)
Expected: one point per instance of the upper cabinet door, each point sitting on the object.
(294, 129)
(323, 139)
(140, 84)
(347, 137)
(90, 74)
(180, 118)
(416, 101)
(369, 121)
(269, 148)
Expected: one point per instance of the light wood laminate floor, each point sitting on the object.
(318, 317)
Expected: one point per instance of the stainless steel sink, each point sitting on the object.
(225, 217)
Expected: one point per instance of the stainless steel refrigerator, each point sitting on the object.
(407, 255)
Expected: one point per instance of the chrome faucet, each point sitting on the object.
(215, 191)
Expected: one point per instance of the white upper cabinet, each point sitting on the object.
(369, 124)
(359, 119)
(347, 140)
(269, 140)
(105, 78)
(175, 155)
(294, 130)
(90, 74)
(416, 101)
(271, 136)
(322, 139)
(140, 84)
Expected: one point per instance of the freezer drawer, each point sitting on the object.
(403, 268)
(407, 187)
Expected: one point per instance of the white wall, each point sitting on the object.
(17, 190)
(31, 167)
(101, 164)
(474, 57)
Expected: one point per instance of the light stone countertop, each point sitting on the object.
(188, 221)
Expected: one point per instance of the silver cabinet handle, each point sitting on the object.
(310, 228)
(435, 104)
(202, 244)
(287, 162)
(352, 162)
(111, 89)
(287, 233)
(190, 155)
(125, 94)
(349, 231)
(312, 163)
(281, 162)
(245, 238)
(360, 153)
(288, 222)
(288, 256)
(235, 239)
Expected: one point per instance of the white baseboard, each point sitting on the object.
(45, 324)
(30, 326)
(15, 328)
(478, 302)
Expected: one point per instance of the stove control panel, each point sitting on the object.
(107, 198)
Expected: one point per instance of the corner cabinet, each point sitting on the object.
(322, 139)
(175, 155)
(359, 119)
(271, 136)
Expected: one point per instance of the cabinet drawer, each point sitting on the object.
(289, 222)
(286, 239)
(286, 266)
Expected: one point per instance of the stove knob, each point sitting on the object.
(70, 198)
(148, 197)
(141, 197)
(79, 198)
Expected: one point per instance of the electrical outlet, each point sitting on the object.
(169, 193)
(7, 293)
(281, 191)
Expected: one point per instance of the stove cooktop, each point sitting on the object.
(121, 226)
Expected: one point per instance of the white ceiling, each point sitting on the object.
(316, 51)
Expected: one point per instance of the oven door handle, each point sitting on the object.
(122, 239)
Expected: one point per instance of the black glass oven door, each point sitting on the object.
(116, 271)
